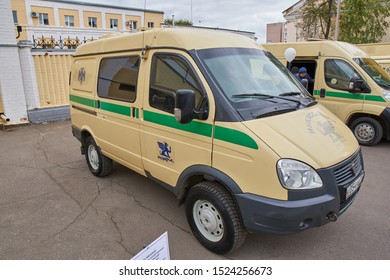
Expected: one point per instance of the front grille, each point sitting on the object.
(345, 174)
(349, 171)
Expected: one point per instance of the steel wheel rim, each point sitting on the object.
(208, 220)
(365, 132)
(93, 157)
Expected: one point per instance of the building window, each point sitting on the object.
(118, 78)
(132, 24)
(15, 16)
(113, 23)
(43, 19)
(151, 24)
(69, 20)
(92, 22)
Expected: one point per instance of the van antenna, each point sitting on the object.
(143, 35)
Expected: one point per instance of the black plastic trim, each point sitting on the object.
(385, 115)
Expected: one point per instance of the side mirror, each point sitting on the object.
(184, 105)
(358, 86)
(305, 83)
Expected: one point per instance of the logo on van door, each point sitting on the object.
(165, 152)
(81, 76)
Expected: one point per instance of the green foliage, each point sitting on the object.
(361, 21)
(364, 21)
(316, 21)
(180, 22)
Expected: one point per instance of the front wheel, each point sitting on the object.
(98, 164)
(368, 131)
(214, 218)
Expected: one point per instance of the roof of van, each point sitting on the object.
(187, 39)
(316, 48)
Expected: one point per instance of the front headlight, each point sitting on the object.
(296, 175)
(386, 94)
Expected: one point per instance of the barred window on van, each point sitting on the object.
(118, 78)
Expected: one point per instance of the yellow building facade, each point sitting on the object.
(68, 19)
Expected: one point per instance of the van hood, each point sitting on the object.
(313, 135)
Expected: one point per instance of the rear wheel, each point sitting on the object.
(214, 218)
(368, 131)
(98, 164)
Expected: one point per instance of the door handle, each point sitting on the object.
(322, 93)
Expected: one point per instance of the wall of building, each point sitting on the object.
(275, 32)
(11, 82)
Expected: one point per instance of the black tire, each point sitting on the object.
(368, 131)
(214, 218)
(98, 164)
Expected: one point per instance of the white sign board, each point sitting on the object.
(157, 250)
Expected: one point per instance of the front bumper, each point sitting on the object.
(304, 209)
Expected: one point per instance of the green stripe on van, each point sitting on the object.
(221, 133)
(115, 108)
(204, 129)
(84, 101)
(345, 95)
(234, 136)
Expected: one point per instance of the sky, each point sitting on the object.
(245, 15)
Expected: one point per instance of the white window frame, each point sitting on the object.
(132, 24)
(150, 24)
(69, 20)
(113, 23)
(90, 22)
(42, 17)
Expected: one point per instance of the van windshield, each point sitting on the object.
(252, 79)
(375, 71)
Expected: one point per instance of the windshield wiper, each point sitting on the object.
(243, 95)
(290, 93)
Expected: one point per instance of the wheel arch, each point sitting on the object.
(199, 173)
(382, 122)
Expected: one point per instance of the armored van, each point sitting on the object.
(346, 81)
(221, 123)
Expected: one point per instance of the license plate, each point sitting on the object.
(354, 187)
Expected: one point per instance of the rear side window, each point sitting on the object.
(118, 78)
(169, 74)
(339, 74)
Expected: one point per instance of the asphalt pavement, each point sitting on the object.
(52, 207)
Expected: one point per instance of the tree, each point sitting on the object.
(180, 22)
(364, 21)
(316, 20)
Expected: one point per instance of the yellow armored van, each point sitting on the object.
(380, 52)
(221, 123)
(346, 81)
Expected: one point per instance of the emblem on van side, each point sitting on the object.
(81, 76)
(165, 152)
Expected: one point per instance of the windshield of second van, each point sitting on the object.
(375, 71)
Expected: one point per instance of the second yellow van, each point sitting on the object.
(346, 81)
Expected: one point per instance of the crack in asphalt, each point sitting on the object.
(79, 215)
(155, 212)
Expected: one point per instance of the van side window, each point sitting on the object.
(169, 74)
(118, 78)
(339, 74)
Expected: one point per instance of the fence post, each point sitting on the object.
(28, 75)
